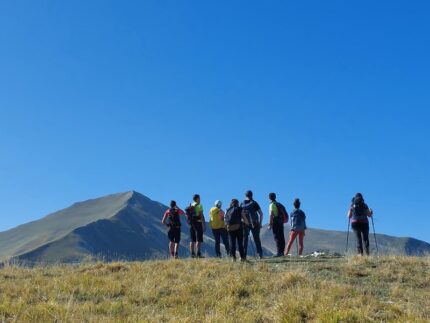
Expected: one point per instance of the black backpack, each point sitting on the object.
(174, 220)
(190, 213)
(253, 216)
(282, 213)
(359, 211)
(233, 216)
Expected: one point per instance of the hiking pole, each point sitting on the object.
(374, 235)
(347, 236)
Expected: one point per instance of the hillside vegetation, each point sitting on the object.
(293, 290)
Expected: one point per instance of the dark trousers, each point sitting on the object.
(361, 231)
(218, 235)
(236, 236)
(278, 234)
(256, 236)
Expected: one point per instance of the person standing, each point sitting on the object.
(298, 227)
(278, 216)
(359, 213)
(196, 221)
(219, 231)
(172, 220)
(233, 219)
(254, 215)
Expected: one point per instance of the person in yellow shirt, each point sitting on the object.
(219, 231)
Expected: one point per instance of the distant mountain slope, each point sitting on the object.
(127, 226)
(335, 241)
(57, 225)
(123, 226)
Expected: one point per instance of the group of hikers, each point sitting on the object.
(239, 221)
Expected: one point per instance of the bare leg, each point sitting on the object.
(171, 249)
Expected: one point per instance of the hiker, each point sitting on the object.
(219, 231)
(234, 217)
(298, 227)
(359, 213)
(196, 221)
(173, 222)
(278, 216)
(254, 215)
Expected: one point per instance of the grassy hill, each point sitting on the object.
(289, 290)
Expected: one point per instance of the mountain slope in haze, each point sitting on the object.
(127, 226)
(119, 226)
(57, 225)
(335, 241)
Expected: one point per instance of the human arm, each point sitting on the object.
(349, 213)
(164, 220)
(369, 212)
(260, 213)
(271, 213)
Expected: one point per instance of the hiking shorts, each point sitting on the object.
(174, 235)
(196, 232)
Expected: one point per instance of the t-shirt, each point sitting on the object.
(273, 209)
(199, 211)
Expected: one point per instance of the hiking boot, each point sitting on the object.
(278, 255)
(233, 259)
(193, 255)
(199, 255)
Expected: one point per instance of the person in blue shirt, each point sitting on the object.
(254, 214)
(298, 227)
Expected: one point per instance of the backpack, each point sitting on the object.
(174, 220)
(232, 219)
(190, 213)
(359, 211)
(282, 213)
(253, 216)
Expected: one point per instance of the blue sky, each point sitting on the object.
(310, 99)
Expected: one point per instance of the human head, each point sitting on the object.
(196, 198)
(218, 204)
(234, 203)
(272, 197)
(297, 203)
(358, 198)
(172, 204)
(249, 194)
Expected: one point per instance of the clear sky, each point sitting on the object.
(310, 99)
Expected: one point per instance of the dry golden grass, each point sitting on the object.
(338, 290)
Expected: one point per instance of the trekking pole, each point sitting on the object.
(374, 235)
(347, 236)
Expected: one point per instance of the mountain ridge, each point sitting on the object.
(127, 226)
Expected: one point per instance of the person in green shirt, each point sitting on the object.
(197, 228)
(278, 215)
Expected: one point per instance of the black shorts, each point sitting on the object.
(196, 232)
(174, 235)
